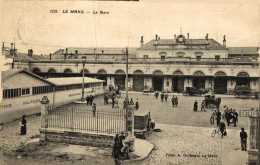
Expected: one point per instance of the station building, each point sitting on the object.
(158, 65)
(22, 92)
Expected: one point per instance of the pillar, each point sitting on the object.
(44, 116)
(253, 142)
(130, 82)
(110, 80)
(187, 83)
(167, 84)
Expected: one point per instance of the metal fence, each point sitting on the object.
(110, 121)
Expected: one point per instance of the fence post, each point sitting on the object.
(44, 117)
(71, 119)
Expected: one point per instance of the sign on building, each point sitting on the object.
(249, 113)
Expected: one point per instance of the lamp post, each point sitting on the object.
(126, 91)
(83, 74)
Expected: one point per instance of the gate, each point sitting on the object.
(138, 84)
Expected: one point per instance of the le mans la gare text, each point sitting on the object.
(79, 11)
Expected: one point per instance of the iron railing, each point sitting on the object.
(110, 121)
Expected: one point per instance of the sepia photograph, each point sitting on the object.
(122, 83)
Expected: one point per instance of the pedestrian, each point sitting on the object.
(222, 128)
(235, 117)
(1, 126)
(113, 101)
(166, 97)
(218, 117)
(156, 94)
(94, 109)
(23, 127)
(105, 98)
(136, 104)
(203, 104)
(87, 98)
(173, 101)
(91, 99)
(132, 101)
(176, 101)
(162, 96)
(212, 117)
(116, 150)
(243, 137)
(195, 106)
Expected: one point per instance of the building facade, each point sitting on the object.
(159, 65)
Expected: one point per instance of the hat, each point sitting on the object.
(23, 116)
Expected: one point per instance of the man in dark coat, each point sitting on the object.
(87, 98)
(235, 117)
(23, 127)
(113, 101)
(195, 106)
(222, 128)
(173, 101)
(243, 137)
(166, 97)
(218, 117)
(162, 97)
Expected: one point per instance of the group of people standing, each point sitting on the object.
(131, 102)
(122, 144)
(164, 96)
(90, 99)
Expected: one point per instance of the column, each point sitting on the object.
(44, 117)
(167, 84)
(253, 142)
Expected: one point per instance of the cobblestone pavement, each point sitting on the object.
(177, 136)
(193, 145)
(10, 137)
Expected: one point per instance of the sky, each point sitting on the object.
(31, 24)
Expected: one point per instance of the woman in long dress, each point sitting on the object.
(23, 127)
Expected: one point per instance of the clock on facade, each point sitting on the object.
(180, 39)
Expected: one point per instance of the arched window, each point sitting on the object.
(138, 72)
(198, 73)
(220, 73)
(177, 73)
(67, 71)
(119, 72)
(51, 71)
(180, 54)
(36, 70)
(158, 72)
(102, 71)
(243, 74)
(85, 71)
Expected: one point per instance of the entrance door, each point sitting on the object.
(103, 77)
(220, 85)
(158, 83)
(138, 84)
(199, 82)
(120, 82)
(178, 84)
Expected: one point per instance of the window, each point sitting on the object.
(10, 93)
(145, 56)
(25, 91)
(217, 57)
(162, 58)
(42, 89)
(167, 83)
(198, 58)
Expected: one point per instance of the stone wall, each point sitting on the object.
(253, 145)
(78, 138)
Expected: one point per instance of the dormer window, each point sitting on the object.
(198, 53)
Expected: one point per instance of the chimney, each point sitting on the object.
(156, 37)
(142, 41)
(174, 36)
(102, 51)
(76, 52)
(224, 41)
(62, 51)
(207, 36)
(11, 51)
(50, 56)
(3, 46)
(66, 50)
(188, 35)
(31, 52)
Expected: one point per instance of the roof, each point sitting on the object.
(141, 113)
(23, 57)
(167, 43)
(72, 80)
(98, 50)
(243, 50)
(11, 72)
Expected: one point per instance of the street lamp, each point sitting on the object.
(83, 73)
